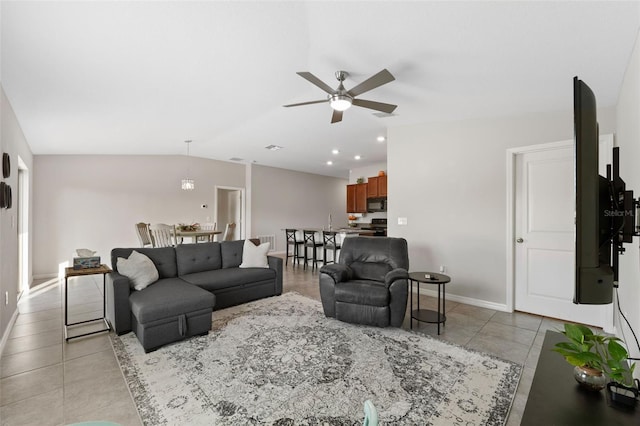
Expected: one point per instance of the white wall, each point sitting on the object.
(628, 139)
(13, 142)
(284, 198)
(366, 171)
(93, 202)
(449, 181)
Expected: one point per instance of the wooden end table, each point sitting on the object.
(69, 273)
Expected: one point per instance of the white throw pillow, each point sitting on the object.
(254, 256)
(139, 269)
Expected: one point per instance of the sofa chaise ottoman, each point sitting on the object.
(169, 311)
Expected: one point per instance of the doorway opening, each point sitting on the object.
(22, 205)
(230, 208)
(540, 234)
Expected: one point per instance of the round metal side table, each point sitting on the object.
(428, 315)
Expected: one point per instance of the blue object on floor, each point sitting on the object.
(370, 414)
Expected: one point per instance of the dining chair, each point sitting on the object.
(310, 242)
(293, 239)
(144, 236)
(229, 232)
(163, 235)
(210, 226)
(330, 242)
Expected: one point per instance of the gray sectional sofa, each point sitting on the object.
(194, 279)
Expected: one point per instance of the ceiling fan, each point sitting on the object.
(341, 99)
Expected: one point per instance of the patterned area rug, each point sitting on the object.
(279, 361)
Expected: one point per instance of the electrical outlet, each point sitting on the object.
(442, 268)
(402, 221)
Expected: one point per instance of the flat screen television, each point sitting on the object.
(605, 210)
(593, 272)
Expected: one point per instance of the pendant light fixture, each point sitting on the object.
(188, 184)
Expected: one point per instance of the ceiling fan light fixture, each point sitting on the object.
(340, 102)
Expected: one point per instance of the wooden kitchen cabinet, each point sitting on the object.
(372, 184)
(377, 186)
(357, 198)
(382, 186)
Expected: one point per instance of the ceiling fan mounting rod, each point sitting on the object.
(341, 75)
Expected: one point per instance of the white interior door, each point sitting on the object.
(544, 234)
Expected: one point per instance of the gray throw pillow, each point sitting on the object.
(139, 269)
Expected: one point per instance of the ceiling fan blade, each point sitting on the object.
(336, 117)
(315, 80)
(383, 77)
(307, 103)
(378, 106)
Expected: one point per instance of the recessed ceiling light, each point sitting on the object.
(381, 139)
(329, 163)
(335, 152)
(273, 147)
(357, 157)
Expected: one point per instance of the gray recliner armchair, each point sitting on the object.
(369, 284)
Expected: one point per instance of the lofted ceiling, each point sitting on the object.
(142, 77)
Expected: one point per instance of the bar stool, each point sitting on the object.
(292, 240)
(310, 242)
(329, 239)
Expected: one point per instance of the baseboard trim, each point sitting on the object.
(502, 307)
(7, 331)
(44, 276)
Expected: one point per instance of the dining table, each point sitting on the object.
(209, 233)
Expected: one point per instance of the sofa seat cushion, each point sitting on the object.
(168, 298)
(362, 292)
(230, 277)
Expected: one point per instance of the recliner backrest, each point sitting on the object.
(370, 258)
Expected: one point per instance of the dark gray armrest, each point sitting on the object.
(396, 282)
(394, 275)
(117, 290)
(275, 263)
(337, 271)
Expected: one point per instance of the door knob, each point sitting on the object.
(520, 241)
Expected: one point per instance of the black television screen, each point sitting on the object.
(594, 275)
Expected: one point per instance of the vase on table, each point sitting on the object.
(590, 378)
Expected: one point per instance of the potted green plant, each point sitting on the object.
(595, 356)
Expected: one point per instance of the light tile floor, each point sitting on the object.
(47, 381)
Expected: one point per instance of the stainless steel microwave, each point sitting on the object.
(377, 204)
